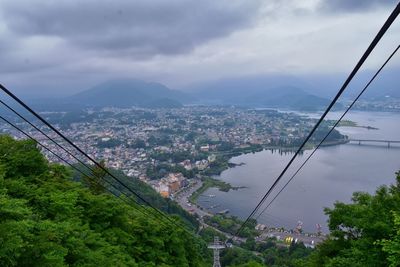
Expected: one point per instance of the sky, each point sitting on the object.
(61, 47)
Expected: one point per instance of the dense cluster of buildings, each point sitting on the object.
(135, 140)
(170, 184)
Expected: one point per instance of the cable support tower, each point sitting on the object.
(216, 247)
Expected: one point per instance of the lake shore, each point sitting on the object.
(210, 182)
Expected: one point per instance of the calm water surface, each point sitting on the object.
(332, 174)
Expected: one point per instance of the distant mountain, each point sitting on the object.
(235, 87)
(287, 97)
(273, 92)
(315, 88)
(128, 93)
(327, 85)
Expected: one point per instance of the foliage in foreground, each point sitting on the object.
(47, 219)
(363, 233)
(231, 224)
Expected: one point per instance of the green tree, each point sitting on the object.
(96, 181)
(237, 256)
(363, 233)
(47, 219)
(392, 246)
(251, 264)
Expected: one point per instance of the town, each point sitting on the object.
(165, 148)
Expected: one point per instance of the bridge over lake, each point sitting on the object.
(376, 141)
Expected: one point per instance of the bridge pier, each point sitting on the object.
(363, 141)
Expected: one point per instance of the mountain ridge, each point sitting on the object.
(129, 92)
(124, 93)
(288, 97)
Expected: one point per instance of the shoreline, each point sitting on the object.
(349, 123)
(212, 182)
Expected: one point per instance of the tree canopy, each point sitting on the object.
(365, 232)
(47, 219)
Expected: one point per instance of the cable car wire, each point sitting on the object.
(19, 101)
(71, 165)
(392, 17)
(333, 127)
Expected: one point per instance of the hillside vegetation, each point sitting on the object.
(363, 233)
(47, 219)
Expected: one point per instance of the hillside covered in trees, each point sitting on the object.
(47, 219)
(51, 217)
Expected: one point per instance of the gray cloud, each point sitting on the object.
(354, 5)
(65, 46)
(134, 28)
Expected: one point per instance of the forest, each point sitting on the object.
(51, 217)
(48, 219)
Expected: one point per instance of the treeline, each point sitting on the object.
(269, 253)
(159, 171)
(47, 219)
(232, 224)
(146, 192)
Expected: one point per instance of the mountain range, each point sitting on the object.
(250, 93)
(286, 97)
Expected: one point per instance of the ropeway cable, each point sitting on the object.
(72, 166)
(60, 146)
(46, 135)
(333, 127)
(366, 54)
(87, 156)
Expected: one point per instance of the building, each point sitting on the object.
(212, 158)
(186, 164)
(163, 189)
(174, 186)
(176, 181)
(202, 164)
(205, 148)
(260, 227)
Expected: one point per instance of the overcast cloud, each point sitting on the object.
(67, 46)
(353, 5)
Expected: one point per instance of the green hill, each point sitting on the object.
(47, 219)
(129, 92)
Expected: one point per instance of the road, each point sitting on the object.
(308, 240)
(183, 200)
(228, 235)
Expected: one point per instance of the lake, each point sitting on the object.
(332, 174)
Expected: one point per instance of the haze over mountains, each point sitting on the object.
(273, 91)
(264, 91)
(131, 92)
